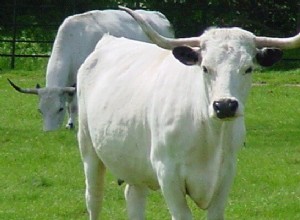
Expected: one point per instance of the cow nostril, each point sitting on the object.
(225, 108)
(217, 106)
(233, 105)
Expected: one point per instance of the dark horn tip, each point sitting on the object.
(13, 85)
(122, 7)
(10, 82)
(19, 89)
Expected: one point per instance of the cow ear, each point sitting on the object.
(186, 55)
(268, 56)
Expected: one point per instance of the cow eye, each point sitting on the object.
(205, 70)
(60, 109)
(249, 70)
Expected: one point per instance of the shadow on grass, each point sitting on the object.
(285, 65)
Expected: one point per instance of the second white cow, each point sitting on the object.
(75, 40)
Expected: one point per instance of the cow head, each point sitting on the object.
(225, 57)
(51, 103)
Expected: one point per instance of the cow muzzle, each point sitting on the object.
(225, 108)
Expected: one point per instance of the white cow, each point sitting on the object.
(75, 40)
(168, 117)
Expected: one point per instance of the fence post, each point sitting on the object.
(13, 50)
(298, 18)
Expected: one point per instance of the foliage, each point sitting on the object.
(261, 17)
(42, 174)
(38, 20)
(189, 17)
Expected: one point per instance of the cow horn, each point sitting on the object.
(282, 43)
(28, 91)
(70, 90)
(161, 41)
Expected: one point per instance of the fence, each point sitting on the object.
(15, 11)
(19, 15)
(12, 9)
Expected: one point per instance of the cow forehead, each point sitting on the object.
(227, 39)
(228, 34)
(231, 52)
(220, 46)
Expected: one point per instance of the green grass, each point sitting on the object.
(41, 174)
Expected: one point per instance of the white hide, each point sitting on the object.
(75, 40)
(148, 118)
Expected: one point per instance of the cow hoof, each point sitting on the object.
(70, 126)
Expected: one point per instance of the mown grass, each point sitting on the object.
(42, 176)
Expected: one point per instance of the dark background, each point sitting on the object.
(190, 17)
(38, 20)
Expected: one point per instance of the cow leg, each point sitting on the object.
(72, 112)
(174, 194)
(217, 206)
(136, 201)
(94, 171)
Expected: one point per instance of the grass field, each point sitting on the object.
(41, 175)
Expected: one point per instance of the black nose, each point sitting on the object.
(225, 108)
